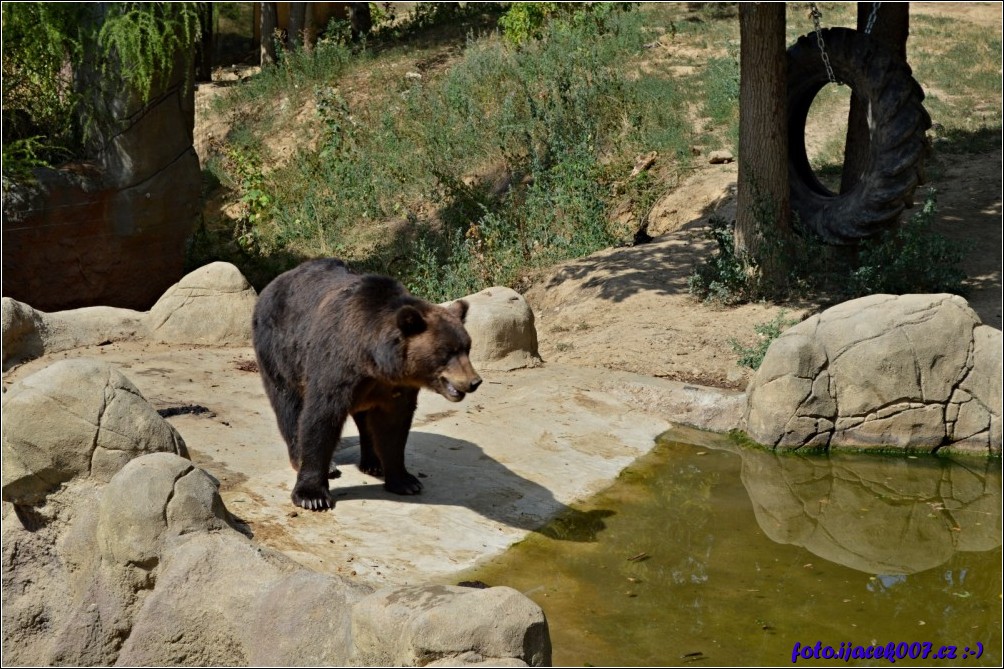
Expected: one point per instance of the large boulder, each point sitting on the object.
(29, 333)
(21, 337)
(910, 372)
(501, 325)
(419, 625)
(117, 552)
(75, 418)
(211, 305)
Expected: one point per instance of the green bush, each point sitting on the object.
(61, 59)
(910, 259)
(393, 184)
(752, 356)
(723, 277)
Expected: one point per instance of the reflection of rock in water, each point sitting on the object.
(874, 514)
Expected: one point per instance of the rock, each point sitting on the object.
(501, 325)
(212, 305)
(913, 372)
(223, 600)
(644, 162)
(75, 418)
(720, 157)
(21, 338)
(29, 333)
(419, 625)
(134, 559)
(151, 499)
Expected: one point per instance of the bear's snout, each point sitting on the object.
(458, 379)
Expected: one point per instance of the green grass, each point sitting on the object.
(501, 158)
(468, 177)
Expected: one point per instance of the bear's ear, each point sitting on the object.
(410, 321)
(459, 309)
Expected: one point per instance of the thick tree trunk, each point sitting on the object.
(297, 23)
(269, 21)
(892, 26)
(763, 217)
(204, 65)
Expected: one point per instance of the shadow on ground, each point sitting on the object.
(456, 472)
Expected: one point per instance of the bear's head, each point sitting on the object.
(437, 349)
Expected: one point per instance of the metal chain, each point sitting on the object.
(871, 19)
(816, 16)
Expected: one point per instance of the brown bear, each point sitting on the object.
(333, 344)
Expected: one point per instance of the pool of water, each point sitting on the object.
(709, 553)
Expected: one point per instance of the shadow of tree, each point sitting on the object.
(456, 472)
(662, 266)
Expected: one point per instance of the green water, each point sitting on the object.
(713, 554)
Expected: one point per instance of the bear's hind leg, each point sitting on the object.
(288, 405)
(388, 428)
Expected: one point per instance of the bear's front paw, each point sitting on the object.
(312, 497)
(405, 485)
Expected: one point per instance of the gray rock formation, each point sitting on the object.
(211, 305)
(28, 333)
(913, 372)
(404, 627)
(113, 554)
(75, 418)
(501, 325)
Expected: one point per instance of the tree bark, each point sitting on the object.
(763, 216)
(204, 67)
(269, 20)
(892, 27)
(297, 24)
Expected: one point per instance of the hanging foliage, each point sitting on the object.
(48, 107)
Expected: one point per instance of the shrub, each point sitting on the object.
(910, 259)
(752, 356)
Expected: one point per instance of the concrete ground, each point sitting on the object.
(495, 467)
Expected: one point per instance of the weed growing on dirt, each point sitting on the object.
(752, 356)
(910, 259)
(722, 277)
(721, 93)
(469, 177)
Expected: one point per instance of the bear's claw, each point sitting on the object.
(312, 499)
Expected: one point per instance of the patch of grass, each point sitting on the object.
(752, 356)
(441, 180)
(910, 259)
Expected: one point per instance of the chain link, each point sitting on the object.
(816, 16)
(872, 18)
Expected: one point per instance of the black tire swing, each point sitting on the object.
(897, 123)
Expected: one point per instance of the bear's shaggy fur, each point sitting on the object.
(331, 344)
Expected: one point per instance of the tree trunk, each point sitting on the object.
(269, 21)
(204, 65)
(892, 26)
(763, 216)
(297, 23)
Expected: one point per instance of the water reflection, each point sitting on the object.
(706, 550)
(879, 515)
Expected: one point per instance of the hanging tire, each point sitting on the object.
(897, 123)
